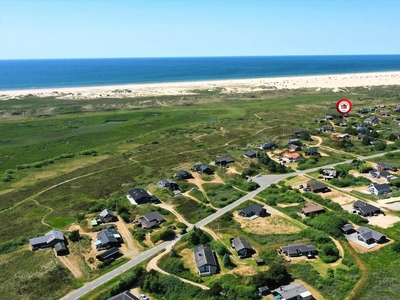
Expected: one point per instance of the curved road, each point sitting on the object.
(264, 182)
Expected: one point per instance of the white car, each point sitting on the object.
(143, 297)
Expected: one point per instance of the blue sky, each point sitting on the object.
(167, 28)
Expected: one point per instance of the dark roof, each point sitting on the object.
(365, 208)
(368, 233)
(166, 182)
(347, 227)
(201, 167)
(381, 186)
(269, 145)
(255, 208)
(241, 243)
(183, 174)
(312, 150)
(383, 174)
(293, 141)
(204, 256)
(315, 185)
(106, 213)
(108, 235)
(124, 296)
(250, 153)
(224, 160)
(60, 246)
(54, 235)
(263, 289)
(154, 216)
(51, 236)
(40, 240)
(138, 194)
(293, 249)
(107, 254)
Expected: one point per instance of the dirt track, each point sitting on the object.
(72, 265)
(153, 265)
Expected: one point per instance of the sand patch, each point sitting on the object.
(344, 199)
(383, 221)
(245, 271)
(336, 82)
(232, 170)
(360, 249)
(188, 258)
(287, 205)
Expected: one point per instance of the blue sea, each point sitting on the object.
(56, 73)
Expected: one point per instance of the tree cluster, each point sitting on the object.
(198, 237)
(272, 166)
(276, 275)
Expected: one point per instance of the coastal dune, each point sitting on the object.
(336, 82)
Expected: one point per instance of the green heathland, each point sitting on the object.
(62, 159)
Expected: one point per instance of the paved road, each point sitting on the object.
(263, 181)
(106, 277)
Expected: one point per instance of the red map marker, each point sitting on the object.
(344, 106)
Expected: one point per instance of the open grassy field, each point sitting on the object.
(60, 158)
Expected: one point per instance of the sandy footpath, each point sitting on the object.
(337, 83)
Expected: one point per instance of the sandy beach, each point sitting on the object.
(337, 83)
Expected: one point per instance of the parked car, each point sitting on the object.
(171, 227)
(143, 297)
(300, 186)
(183, 231)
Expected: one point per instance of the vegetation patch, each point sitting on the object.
(191, 210)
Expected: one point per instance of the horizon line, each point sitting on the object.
(211, 56)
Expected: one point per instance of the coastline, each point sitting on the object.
(336, 82)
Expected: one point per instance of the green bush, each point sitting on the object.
(219, 248)
(88, 152)
(162, 236)
(181, 225)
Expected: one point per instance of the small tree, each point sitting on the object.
(272, 166)
(366, 141)
(392, 137)
(215, 289)
(173, 253)
(379, 147)
(226, 261)
(304, 135)
(264, 159)
(396, 246)
(74, 236)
